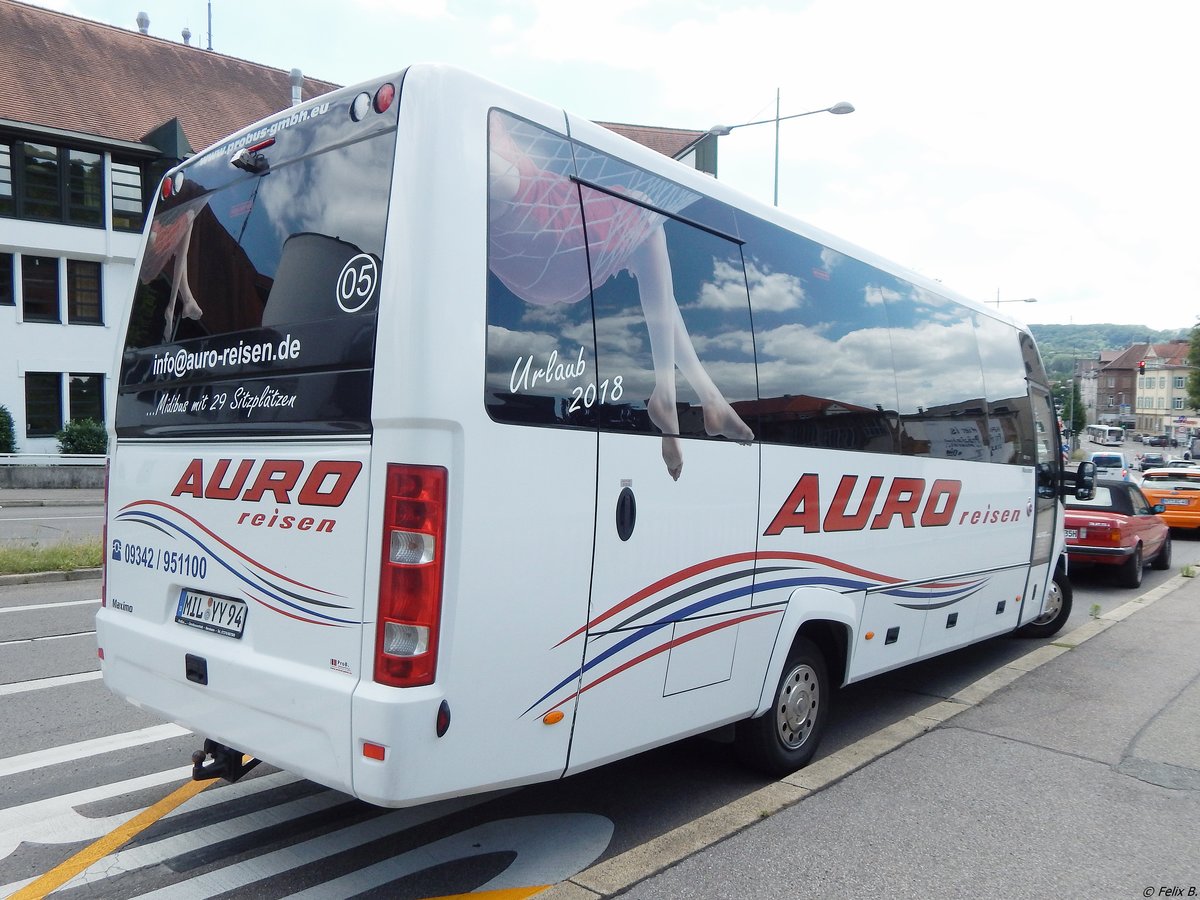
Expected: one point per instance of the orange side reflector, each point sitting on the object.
(869, 635)
(553, 717)
(373, 751)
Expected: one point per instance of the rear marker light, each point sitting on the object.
(374, 751)
(443, 719)
(100, 652)
(384, 97)
(360, 106)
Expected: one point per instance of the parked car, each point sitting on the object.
(1120, 528)
(1178, 490)
(1155, 440)
(1180, 464)
(1151, 460)
(1110, 464)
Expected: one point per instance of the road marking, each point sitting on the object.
(49, 637)
(31, 607)
(39, 759)
(37, 684)
(548, 849)
(48, 518)
(64, 872)
(293, 856)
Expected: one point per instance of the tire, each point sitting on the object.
(1058, 609)
(786, 736)
(1130, 574)
(1162, 561)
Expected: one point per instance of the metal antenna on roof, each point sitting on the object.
(209, 24)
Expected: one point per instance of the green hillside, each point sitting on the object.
(1060, 343)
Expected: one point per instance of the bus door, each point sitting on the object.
(676, 513)
(1045, 503)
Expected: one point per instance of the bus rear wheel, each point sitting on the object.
(785, 737)
(1057, 610)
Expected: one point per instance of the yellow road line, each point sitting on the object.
(65, 871)
(517, 893)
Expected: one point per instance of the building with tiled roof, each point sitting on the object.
(91, 116)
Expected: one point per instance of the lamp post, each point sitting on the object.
(838, 109)
(998, 301)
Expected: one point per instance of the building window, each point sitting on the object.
(1112, 382)
(40, 197)
(1178, 382)
(86, 396)
(1178, 403)
(6, 190)
(52, 184)
(43, 404)
(85, 188)
(83, 293)
(128, 205)
(7, 295)
(1162, 382)
(39, 288)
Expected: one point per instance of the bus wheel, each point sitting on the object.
(785, 737)
(1058, 610)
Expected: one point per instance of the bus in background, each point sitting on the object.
(1106, 435)
(461, 443)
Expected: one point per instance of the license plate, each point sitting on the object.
(1071, 532)
(1176, 501)
(218, 615)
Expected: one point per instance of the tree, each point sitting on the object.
(1070, 405)
(1193, 382)
(83, 436)
(8, 434)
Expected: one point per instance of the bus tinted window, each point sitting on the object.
(824, 351)
(611, 251)
(1010, 418)
(943, 412)
(541, 351)
(255, 307)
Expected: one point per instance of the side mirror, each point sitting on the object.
(1085, 481)
(1158, 508)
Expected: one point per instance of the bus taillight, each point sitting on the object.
(410, 577)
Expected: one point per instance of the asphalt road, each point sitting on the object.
(78, 763)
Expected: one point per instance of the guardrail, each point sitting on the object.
(52, 459)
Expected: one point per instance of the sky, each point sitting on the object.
(1029, 149)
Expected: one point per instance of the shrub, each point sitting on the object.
(8, 434)
(83, 436)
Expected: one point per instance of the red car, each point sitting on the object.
(1118, 527)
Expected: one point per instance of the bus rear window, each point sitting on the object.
(255, 307)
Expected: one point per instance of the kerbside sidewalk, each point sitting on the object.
(1072, 772)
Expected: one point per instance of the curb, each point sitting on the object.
(25, 504)
(624, 870)
(46, 577)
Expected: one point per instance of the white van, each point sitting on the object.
(461, 443)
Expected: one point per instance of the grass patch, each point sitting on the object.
(58, 558)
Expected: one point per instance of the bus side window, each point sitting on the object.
(823, 348)
(541, 356)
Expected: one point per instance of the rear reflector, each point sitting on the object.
(374, 751)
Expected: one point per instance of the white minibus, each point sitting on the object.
(461, 443)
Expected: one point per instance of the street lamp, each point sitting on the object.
(998, 301)
(838, 109)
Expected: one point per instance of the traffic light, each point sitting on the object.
(1142, 367)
